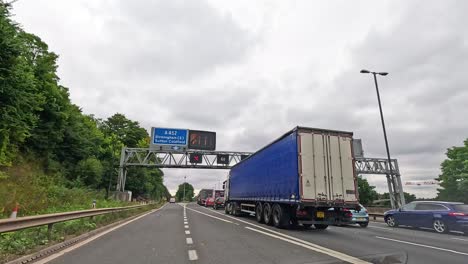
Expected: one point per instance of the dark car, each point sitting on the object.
(218, 203)
(440, 216)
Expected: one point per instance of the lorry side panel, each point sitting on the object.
(269, 175)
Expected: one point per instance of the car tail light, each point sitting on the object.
(457, 214)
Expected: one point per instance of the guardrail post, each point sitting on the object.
(49, 231)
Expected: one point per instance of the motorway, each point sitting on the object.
(179, 233)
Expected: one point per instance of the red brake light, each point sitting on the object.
(456, 214)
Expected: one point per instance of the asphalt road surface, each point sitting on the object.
(180, 233)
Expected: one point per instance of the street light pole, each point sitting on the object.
(392, 200)
(185, 177)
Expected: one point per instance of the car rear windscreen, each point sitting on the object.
(461, 208)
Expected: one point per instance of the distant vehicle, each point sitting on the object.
(360, 217)
(172, 200)
(219, 193)
(203, 194)
(209, 202)
(218, 203)
(296, 179)
(440, 216)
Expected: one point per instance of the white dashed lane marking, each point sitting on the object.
(187, 232)
(189, 240)
(192, 254)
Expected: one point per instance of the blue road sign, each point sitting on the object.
(169, 136)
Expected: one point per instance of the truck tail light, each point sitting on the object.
(301, 213)
(457, 214)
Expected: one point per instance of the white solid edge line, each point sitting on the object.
(61, 253)
(330, 251)
(422, 245)
(227, 221)
(337, 255)
(189, 240)
(187, 232)
(459, 239)
(192, 254)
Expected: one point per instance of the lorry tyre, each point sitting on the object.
(280, 216)
(267, 213)
(259, 212)
(307, 225)
(232, 210)
(320, 226)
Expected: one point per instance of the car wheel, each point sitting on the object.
(267, 214)
(320, 226)
(440, 226)
(365, 224)
(391, 222)
(259, 212)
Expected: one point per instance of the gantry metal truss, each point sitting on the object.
(146, 157)
(375, 166)
(381, 166)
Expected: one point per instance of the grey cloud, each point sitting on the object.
(169, 63)
(175, 39)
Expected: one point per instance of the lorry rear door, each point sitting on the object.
(326, 167)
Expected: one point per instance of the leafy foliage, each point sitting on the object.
(189, 192)
(47, 145)
(367, 194)
(454, 177)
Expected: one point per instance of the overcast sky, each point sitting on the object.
(252, 70)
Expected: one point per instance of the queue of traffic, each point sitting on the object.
(306, 177)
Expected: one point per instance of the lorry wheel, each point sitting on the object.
(307, 225)
(232, 209)
(280, 216)
(320, 226)
(267, 214)
(227, 209)
(259, 212)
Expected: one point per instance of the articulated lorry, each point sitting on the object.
(297, 179)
